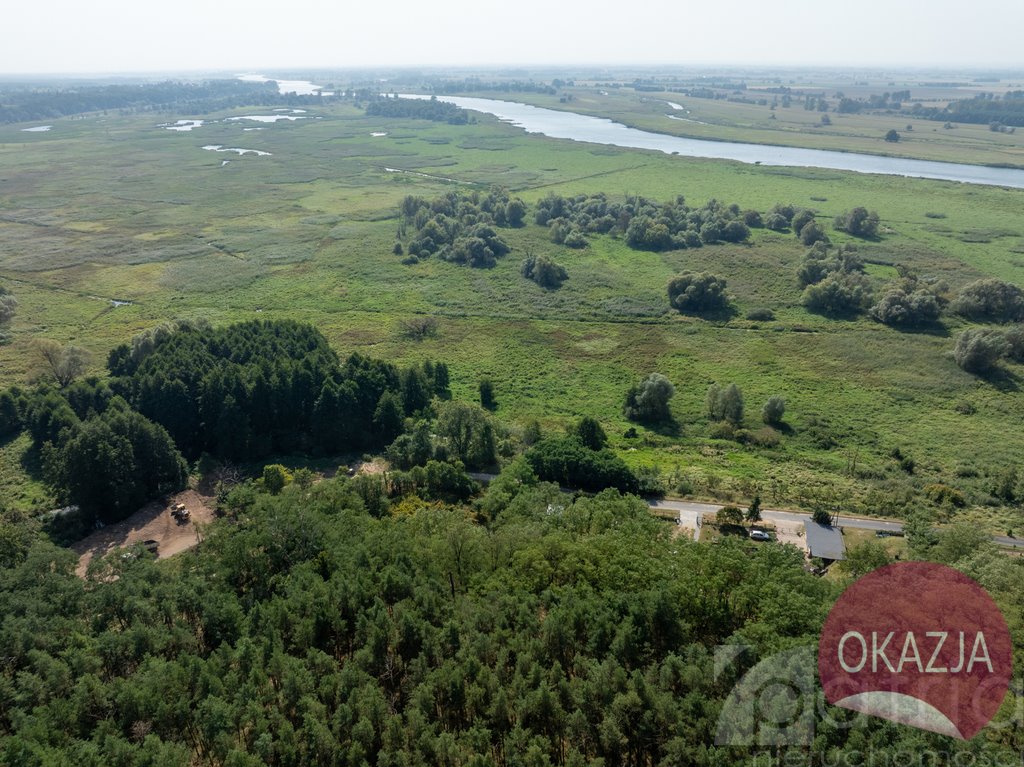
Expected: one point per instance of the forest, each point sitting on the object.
(25, 103)
(530, 628)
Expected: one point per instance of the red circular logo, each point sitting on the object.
(920, 644)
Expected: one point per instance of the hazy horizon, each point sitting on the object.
(118, 37)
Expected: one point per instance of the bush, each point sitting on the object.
(858, 222)
(725, 404)
(648, 401)
(643, 233)
(837, 295)
(800, 219)
(735, 231)
(992, 300)
(977, 349)
(944, 495)
(575, 239)
(544, 271)
(730, 515)
(697, 293)
(813, 233)
(275, 478)
(773, 410)
(1013, 339)
(901, 309)
(590, 433)
(765, 437)
(760, 315)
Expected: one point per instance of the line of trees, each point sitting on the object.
(43, 102)
(420, 109)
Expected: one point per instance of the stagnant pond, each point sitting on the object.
(600, 130)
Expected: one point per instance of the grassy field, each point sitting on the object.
(116, 208)
(724, 120)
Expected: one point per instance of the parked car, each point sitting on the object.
(759, 535)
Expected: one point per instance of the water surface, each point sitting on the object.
(600, 130)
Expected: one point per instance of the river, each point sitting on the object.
(600, 130)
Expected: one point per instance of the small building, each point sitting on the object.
(824, 542)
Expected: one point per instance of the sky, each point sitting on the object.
(107, 36)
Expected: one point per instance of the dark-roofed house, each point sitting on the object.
(825, 542)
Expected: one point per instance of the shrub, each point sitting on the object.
(760, 315)
(773, 410)
(944, 495)
(730, 515)
(649, 400)
(813, 233)
(858, 222)
(544, 271)
(765, 437)
(697, 292)
(901, 309)
(724, 404)
(977, 349)
(735, 231)
(590, 433)
(1013, 339)
(800, 219)
(275, 478)
(991, 299)
(837, 295)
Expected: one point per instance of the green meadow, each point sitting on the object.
(115, 208)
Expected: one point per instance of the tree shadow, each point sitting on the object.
(725, 314)
(1002, 379)
(670, 428)
(934, 329)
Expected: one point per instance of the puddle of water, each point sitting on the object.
(249, 129)
(687, 120)
(183, 125)
(37, 129)
(675, 106)
(267, 118)
(240, 151)
(224, 162)
(116, 303)
(425, 175)
(378, 134)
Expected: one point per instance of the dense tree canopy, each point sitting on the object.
(258, 388)
(421, 109)
(312, 632)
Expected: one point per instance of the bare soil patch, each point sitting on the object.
(151, 522)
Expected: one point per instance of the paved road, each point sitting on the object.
(775, 515)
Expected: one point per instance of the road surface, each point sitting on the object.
(776, 515)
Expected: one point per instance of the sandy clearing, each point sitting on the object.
(153, 521)
(791, 532)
